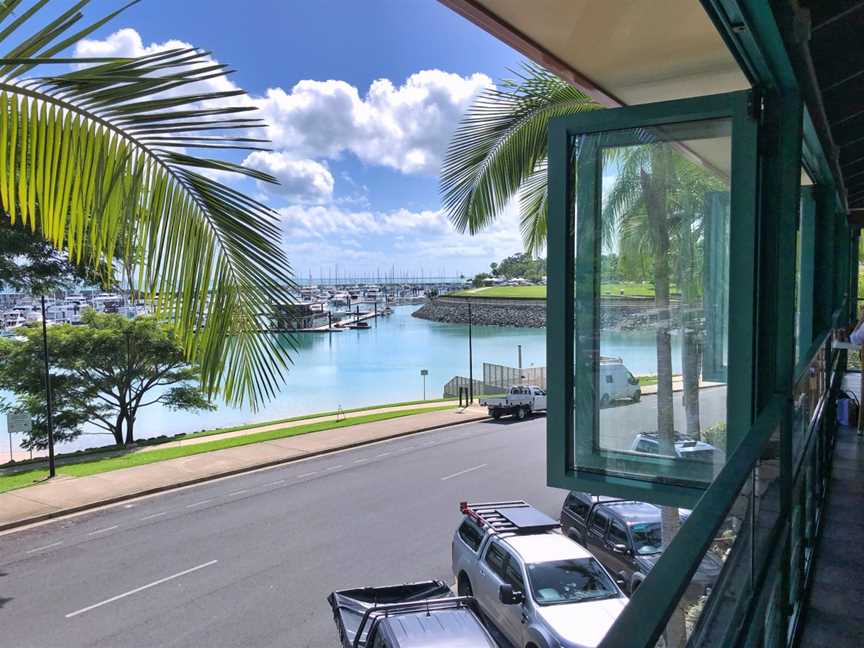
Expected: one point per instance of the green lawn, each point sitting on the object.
(305, 417)
(622, 289)
(504, 292)
(652, 379)
(20, 480)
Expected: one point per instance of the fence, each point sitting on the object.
(496, 379)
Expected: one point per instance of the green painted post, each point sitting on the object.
(808, 287)
(823, 271)
(559, 307)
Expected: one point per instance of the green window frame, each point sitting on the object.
(806, 275)
(570, 442)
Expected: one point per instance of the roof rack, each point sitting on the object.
(514, 516)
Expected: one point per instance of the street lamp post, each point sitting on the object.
(49, 419)
(424, 373)
(519, 363)
(470, 358)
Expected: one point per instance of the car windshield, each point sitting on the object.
(569, 581)
(647, 538)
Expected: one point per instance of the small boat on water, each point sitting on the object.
(358, 325)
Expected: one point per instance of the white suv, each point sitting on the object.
(537, 587)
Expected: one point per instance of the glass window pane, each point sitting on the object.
(651, 288)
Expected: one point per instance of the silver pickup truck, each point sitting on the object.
(537, 587)
(520, 400)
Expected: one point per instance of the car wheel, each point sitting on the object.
(604, 400)
(463, 586)
(636, 396)
(521, 413)
(496, 414)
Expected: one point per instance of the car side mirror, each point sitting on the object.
(508, 596)
(619, 548)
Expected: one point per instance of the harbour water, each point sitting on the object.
(382, 364)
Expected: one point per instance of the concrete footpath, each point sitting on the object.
(65, 494)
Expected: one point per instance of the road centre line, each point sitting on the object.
(201, 503)
(309, 474)
(48, 546)
(154, 515)
(462, 472)
(382, 454)
(276, 483)
(140, 589)
(238, 492)
(111, 528)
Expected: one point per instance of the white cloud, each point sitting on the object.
(300, 180)
(314, 236)
(325, 220)
(406, 127)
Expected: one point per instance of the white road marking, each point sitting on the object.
(309, 474)
(154, 515)
(382, 454)
(462, 472)
(111, 528)
(337, 467)
(277, 482)
(360, 460)
(201, 503)
(238, 492)
(140, 589)
(48, 546)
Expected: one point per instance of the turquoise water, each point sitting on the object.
(382, 364)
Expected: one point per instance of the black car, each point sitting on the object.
(625, 536)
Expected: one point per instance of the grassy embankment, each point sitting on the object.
(624, 289)
(84, 468)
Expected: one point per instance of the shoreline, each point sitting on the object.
(616, 313)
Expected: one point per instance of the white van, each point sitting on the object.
(617, 383)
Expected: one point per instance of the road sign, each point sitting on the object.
(424, 372)
(18, 423)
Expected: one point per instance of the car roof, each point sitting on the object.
(594, 498)
(634, 512)
(545, 547)
(457, 628)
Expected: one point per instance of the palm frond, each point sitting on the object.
(95, 159)
(500, 143)
(532, 210)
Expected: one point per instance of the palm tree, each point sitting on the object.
(96, 160)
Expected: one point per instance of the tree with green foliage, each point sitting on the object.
(102, 373)
(480, 279)
(520, 265)
(101, 162)
(28, 263)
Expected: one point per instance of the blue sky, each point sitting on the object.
(362, 98)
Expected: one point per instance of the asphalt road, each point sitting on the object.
(249, 560)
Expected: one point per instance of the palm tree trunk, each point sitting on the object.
(655, 187)
(690, 366)
(690, 347)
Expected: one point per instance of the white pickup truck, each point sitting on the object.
(520, 401)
